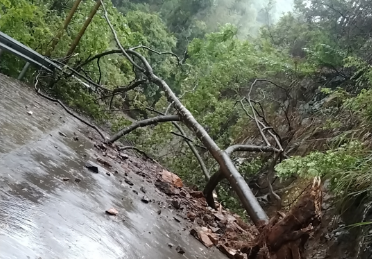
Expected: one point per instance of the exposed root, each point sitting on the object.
(285, 235)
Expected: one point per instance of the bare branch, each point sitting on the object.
(143, 123)
(255, 116)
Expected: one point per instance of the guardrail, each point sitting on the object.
(13, 46)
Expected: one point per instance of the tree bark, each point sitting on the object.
(219, 176)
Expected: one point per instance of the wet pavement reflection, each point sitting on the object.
(44, 215)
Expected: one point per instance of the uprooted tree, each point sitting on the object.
(283, 237)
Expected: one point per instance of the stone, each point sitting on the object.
(145, 199)
(191, 216)
(171, 178)
(180, 250)
(123, 156)
(62, 134)
(128, 181)
(112, 212)
(176, 204)
(91, 167)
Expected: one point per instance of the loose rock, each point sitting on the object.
(112, 212)
(62, 134)
(176, 204)
(143, 189)
(123, 156)
(145, 199)
(180, 250)
(92, 167)
(128, 181)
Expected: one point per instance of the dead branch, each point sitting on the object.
(38, 91)
(142, 123)
(249, 201)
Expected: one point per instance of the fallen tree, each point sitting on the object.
(293, 227)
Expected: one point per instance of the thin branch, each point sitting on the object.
(66, 109)
(98, 56)
(255, 116)
(117, 39)
(143, 123)
(187, 139)
(250, 148)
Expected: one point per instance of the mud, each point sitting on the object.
(51, 206)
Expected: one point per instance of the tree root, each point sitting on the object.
(285, 235)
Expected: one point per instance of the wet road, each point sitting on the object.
(43, 216)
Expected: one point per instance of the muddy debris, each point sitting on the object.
(170, 245)
(76, 138)
(142, 189)
(77, 180)
(91, 167)
(65, 179)
(135, 192)
(112, 212)
(108, 174)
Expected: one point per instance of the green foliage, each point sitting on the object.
(347, 167)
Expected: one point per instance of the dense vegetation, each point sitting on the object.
(315, 94)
